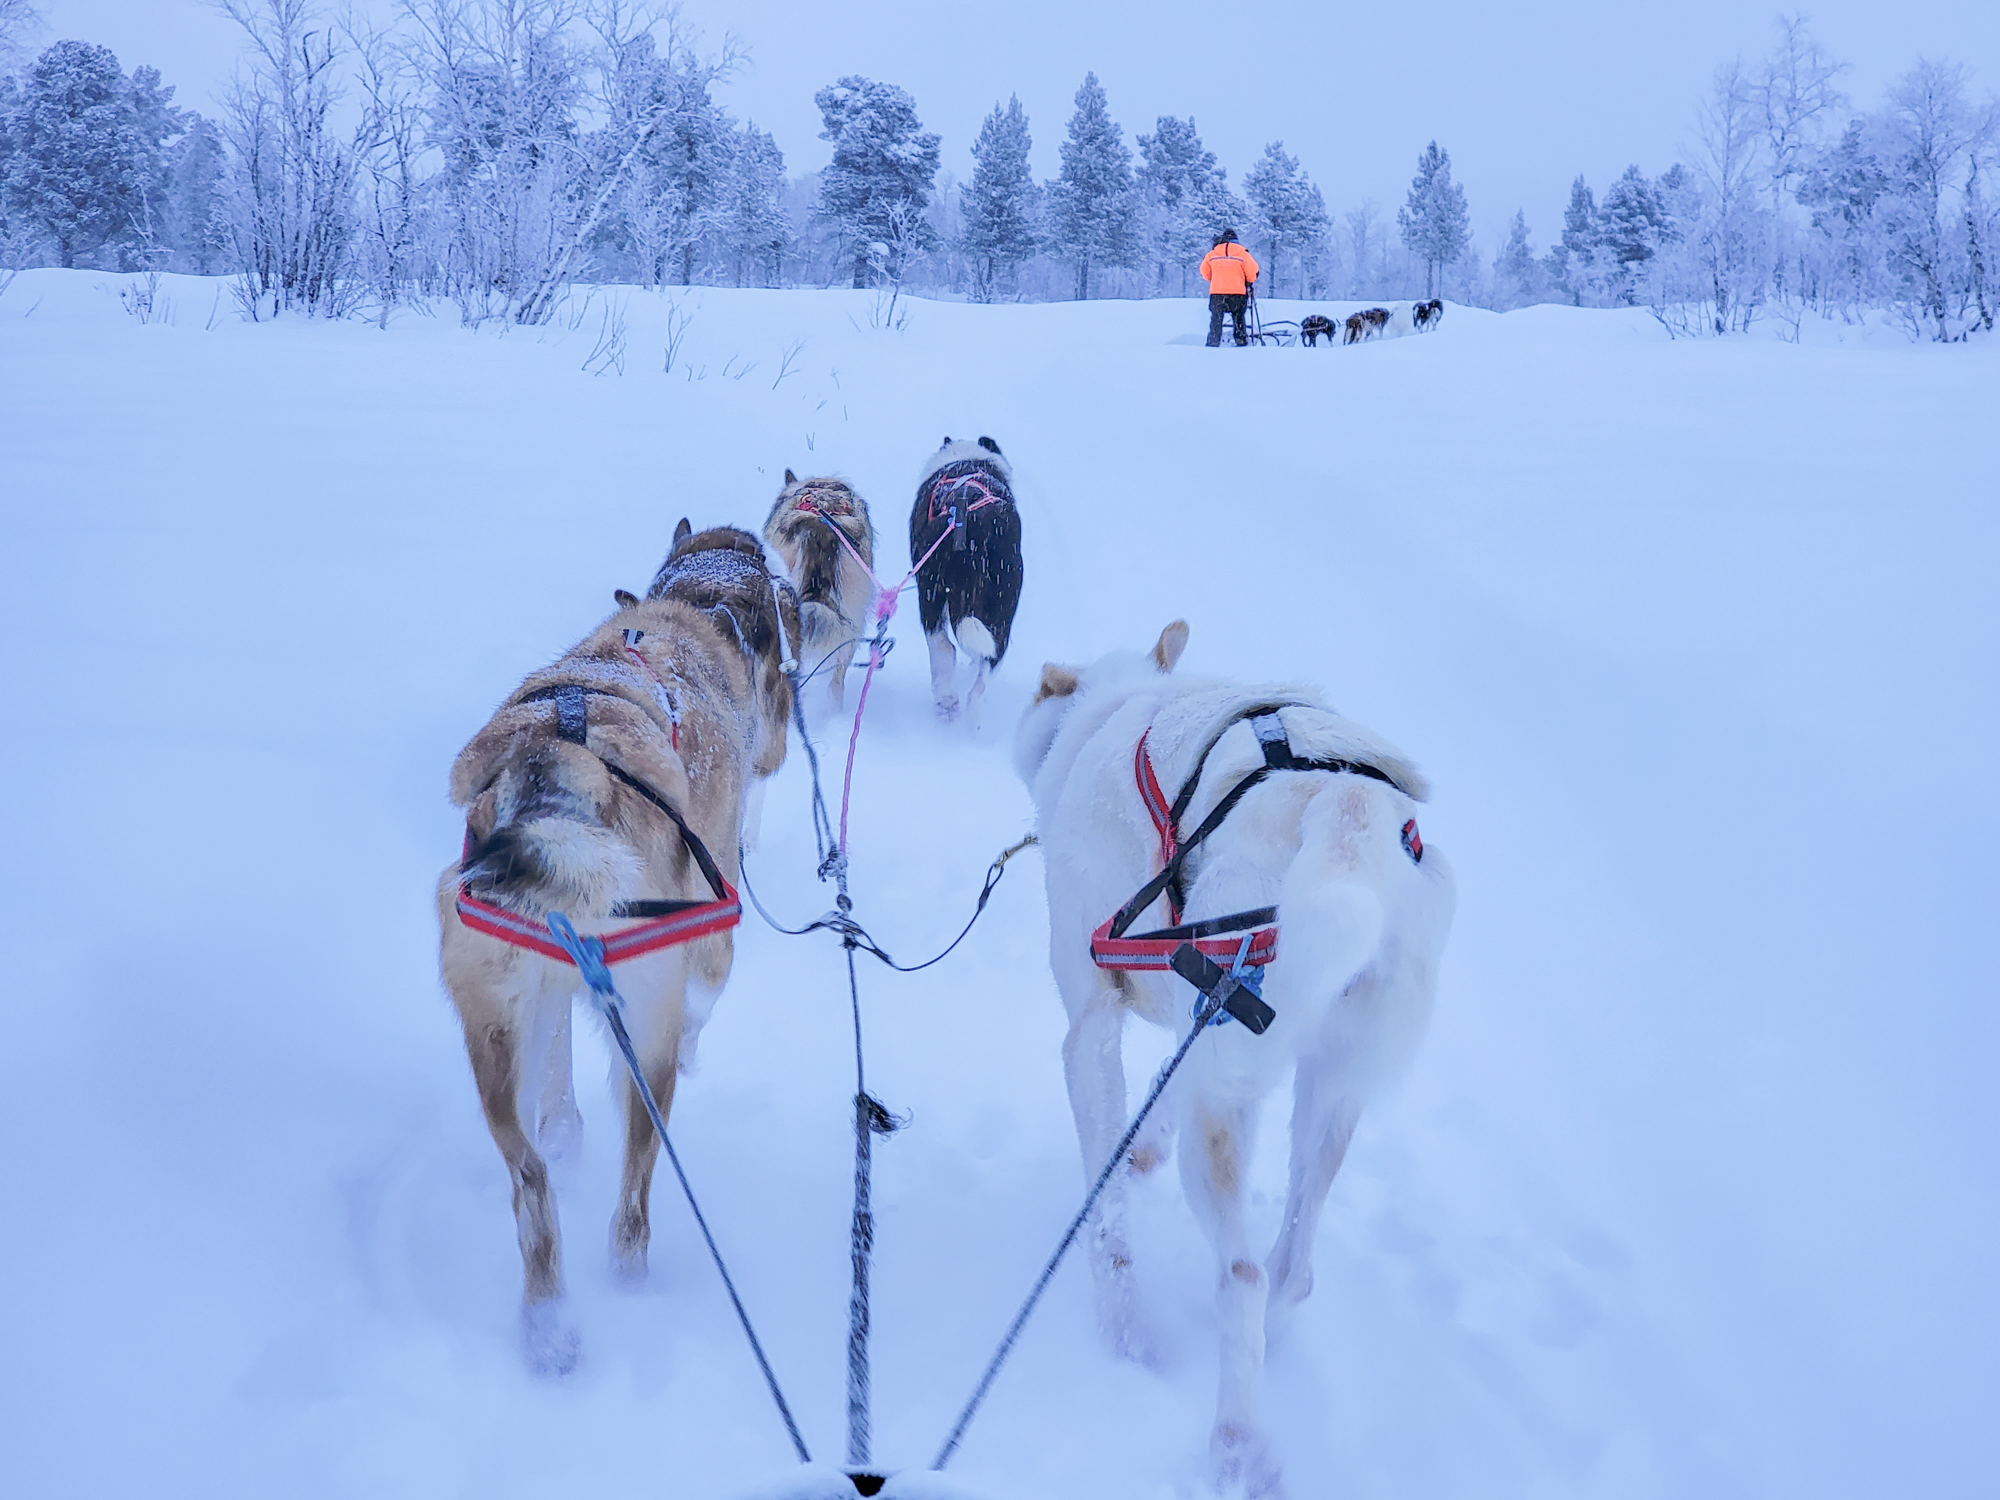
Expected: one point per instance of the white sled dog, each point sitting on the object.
(836, 591)
(1363, 908)
(677, 697)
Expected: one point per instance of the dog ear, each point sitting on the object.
(683, 531)
(624, 598)
(989, 445)
(1168, 648)
(790, 477)
(1057, 682)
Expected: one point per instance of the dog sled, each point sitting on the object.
(1281, 334)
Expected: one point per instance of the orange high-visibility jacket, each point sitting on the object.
(1229, 268)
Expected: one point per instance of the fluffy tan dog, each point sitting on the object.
(679, 694)
(836, 593)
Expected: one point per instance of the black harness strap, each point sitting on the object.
(1278, 756)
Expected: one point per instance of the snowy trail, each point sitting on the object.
(1690, 1190)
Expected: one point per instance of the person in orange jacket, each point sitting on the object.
(1230, 271)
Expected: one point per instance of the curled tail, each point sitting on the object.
(549, 849)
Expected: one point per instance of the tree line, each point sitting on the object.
(494, 151)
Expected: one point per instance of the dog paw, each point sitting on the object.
(947, 710)
(1241, 1465)
(552, 1344)
(559, 1137)
(630, 1237)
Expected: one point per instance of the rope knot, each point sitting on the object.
(877, 1116)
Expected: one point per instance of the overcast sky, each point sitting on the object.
(1523, 101)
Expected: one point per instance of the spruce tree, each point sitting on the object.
(1433, 218)
(1092, 211)
(879, 183)
(1632, 224)
(753, 224)
(1185, 197)
(999, 203)
(1515, 272)
(1289, 212)
(1572, 259)
(79, 172)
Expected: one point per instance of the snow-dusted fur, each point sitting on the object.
(969, 593)
(549, 828)
(1362, 925)
(836, 592)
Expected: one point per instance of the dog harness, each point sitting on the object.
(1247, 938)
(661, 924)
(948, 496)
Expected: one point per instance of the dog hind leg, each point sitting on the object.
(1094, 1067)
(1323, 1122)
(656, 1030)
(492, 1045)
(549, 1076)
(944, 668)
(1214, 1156)
(977, 642)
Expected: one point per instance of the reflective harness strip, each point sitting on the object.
(660, 924)
(1215, 937)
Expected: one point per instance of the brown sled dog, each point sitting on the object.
(682, 695)
(836, 593)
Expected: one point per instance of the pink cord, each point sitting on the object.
(885, 610)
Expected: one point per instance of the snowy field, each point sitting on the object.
(1690, 1192)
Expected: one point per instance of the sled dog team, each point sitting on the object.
(614, 786)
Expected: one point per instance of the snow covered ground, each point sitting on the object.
(1691, 1191)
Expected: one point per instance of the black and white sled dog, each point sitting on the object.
(972, 581)
(1316, 326)
(1328, 836)
(835, 585)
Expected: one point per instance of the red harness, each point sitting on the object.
(1216, 937)
(1220, 937)
(658, 924)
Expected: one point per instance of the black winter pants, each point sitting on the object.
(1225, 302)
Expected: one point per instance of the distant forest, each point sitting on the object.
(491, 152)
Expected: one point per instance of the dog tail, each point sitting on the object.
(549, 849)
(1362, 920)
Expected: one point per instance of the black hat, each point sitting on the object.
(1227, 234)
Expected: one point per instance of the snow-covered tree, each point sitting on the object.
(879, 183)
(1728, 242)
(1842, 188)
(1000, 203)
(19, 21)
(1185, 199)
(1517, 275)
(81, 167)
(1365, 238)
(1092, 217)
(502, 83)
(1288, 212)
(1937, 143)
(1573, 257)
(194, 207)
(1433, 219)
(1632, 225)
(753, 227)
